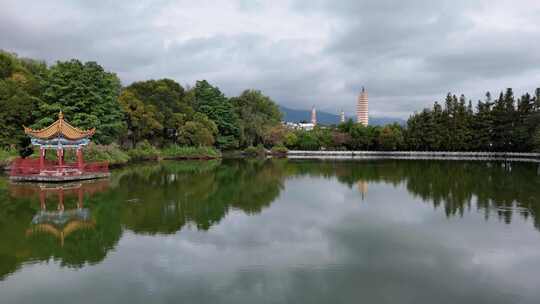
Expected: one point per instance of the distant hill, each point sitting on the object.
(325, 118)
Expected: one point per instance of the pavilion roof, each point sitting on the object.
(60, 128)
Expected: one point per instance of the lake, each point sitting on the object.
(277, 231)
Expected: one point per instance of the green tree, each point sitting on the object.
(142, 120)
(359, 137)
(391, 138)
(170, 102)
(504, 122)
(307, 140)
(536, 140)
(7, 64)
(20, 94)
(88, 96)
(200, 131)
(275, 135)
(257, 114)
(324, 137)
(291, 140)
(210, 101)
(482, 126)
(525, 124)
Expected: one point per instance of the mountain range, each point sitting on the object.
(325, 118)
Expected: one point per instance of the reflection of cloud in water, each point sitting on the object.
(315, 244)
(324, 250)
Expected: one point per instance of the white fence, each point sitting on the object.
(509, 156)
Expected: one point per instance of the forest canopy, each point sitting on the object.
(163, 113)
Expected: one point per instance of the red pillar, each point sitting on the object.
(80, 159)
(60, 156)
(41, 159)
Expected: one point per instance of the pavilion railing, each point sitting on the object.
(32, 166)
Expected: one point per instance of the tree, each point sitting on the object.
(307, 140)
(20, 94)
(536, 140)
(340, 139)
(482, 126)
(291, 140)
(275, 135)
(142, 120)
(168, 98)
(194, 134)
(324, 137)
(391, 137)
(88, 96)
(210, 101)
(200, 131)
(503, 121)
(257, 114)
(362, 137)
(6, 64)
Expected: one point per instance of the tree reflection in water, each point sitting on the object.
(163, 198)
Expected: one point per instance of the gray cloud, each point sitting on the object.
(407, 53)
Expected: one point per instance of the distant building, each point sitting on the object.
(299, 126)
(362, 108)
(314, 116)
(342, 117)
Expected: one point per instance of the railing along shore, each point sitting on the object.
(507, 156)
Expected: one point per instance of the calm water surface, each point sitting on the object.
(277, 231)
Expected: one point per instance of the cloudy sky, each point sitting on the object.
(301, 53)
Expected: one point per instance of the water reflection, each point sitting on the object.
(196, 193)
(362, 188)
(59, 221)
(293, 200)
(203, 195)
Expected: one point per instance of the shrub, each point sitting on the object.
(279, 150)
(258, 151)
(291, 140)
(308, 141)
(144, 151)
(110, 153)
(7, 155)
(176, 151)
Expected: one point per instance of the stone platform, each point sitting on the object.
(59, 178)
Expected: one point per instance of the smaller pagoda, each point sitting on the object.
(59, 136)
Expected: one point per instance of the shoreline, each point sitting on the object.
(350, 155)
(415, 155)
(5, 167)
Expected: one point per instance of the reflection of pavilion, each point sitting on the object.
(60, 222)
(363, 188)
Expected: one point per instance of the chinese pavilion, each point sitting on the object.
(58, 136)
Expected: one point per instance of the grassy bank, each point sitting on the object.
(6, 156)
(117, 156)
(183, 152)
(145, 152)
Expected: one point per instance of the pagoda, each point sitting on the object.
(59, 136)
